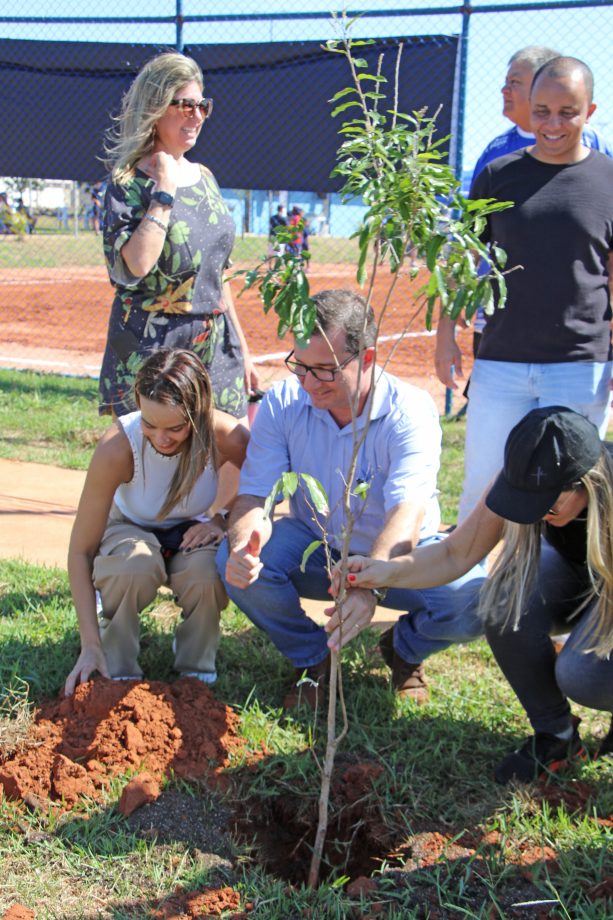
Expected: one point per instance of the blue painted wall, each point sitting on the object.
(259, 205)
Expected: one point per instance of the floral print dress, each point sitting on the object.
(180, 303)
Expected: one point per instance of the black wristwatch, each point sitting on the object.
(164, 198)
(379, 593)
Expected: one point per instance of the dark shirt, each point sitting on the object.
(557, 236)
(571, 540)
(277, 220)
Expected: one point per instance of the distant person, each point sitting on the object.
(6, 214)
(305, 248)
(296, 220)
(168, 235)
(145, 519)
(277, 220)
(62, 217)
(551, 345)
(26, 215)
(552, 505)
(97, 200)
(516, 107)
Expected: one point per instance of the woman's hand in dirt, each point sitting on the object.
(357, 611)
(208, 533)
(90, 660)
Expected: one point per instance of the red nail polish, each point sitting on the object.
(350, 577)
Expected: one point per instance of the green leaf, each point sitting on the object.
(361, 490)
(317, 493)
(344, 106)
(309, 552)
(290, 484)
(377, 78)
(500, 255)
(502, 292)
(272, 497)
(432, 250)
(343, 92)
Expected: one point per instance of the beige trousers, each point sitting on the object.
(128, 571)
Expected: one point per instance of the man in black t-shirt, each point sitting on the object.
(551, 344)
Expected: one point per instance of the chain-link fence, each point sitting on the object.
(270, 142)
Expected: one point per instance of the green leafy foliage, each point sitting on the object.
(286, 486)
(393, 162)
(284, 288)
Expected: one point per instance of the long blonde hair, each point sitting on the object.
(174, 377)
(132, 135)
(506, 592)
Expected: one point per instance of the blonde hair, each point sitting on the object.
(174, 377)
(506, 592)
(132, 135)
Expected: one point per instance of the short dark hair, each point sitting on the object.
(563, 67)
(346, 311)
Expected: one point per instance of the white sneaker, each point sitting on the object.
(207, 677)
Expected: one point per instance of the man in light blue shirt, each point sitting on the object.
(305, 425)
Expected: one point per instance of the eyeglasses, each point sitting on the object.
(188, 107)
(324, 374)
(574, 487)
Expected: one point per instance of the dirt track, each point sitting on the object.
(56, 319)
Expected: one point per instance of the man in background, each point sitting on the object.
(551, 345)
(516, 107)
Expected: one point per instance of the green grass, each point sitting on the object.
(46, 418)
(53, 249)
(436, 760)
(436, 779)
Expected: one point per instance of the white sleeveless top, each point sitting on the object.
(141, 499)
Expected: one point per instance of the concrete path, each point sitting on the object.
(38, 504)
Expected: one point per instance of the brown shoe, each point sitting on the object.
(408, 678)
(309, 687)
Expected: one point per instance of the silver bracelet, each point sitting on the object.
(156, 221)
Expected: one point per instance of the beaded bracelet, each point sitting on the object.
(157, 221)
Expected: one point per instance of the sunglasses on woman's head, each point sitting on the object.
(188, 107)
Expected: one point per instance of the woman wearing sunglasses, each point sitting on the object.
(168, 236)
(552, 505)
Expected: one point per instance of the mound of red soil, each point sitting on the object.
(109, 727)
(196, 905)
(18, 912)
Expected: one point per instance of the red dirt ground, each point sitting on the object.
(56, 319)
(158, 730)
(110, 727)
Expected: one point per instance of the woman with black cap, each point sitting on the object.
(552, 505)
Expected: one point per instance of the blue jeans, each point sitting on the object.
(541, 680)
(502, 392)
(437, 617)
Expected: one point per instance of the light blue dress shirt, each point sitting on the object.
(399, 459)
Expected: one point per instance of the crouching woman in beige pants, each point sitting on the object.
(146, 518)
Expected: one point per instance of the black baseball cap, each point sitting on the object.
(545, 453)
